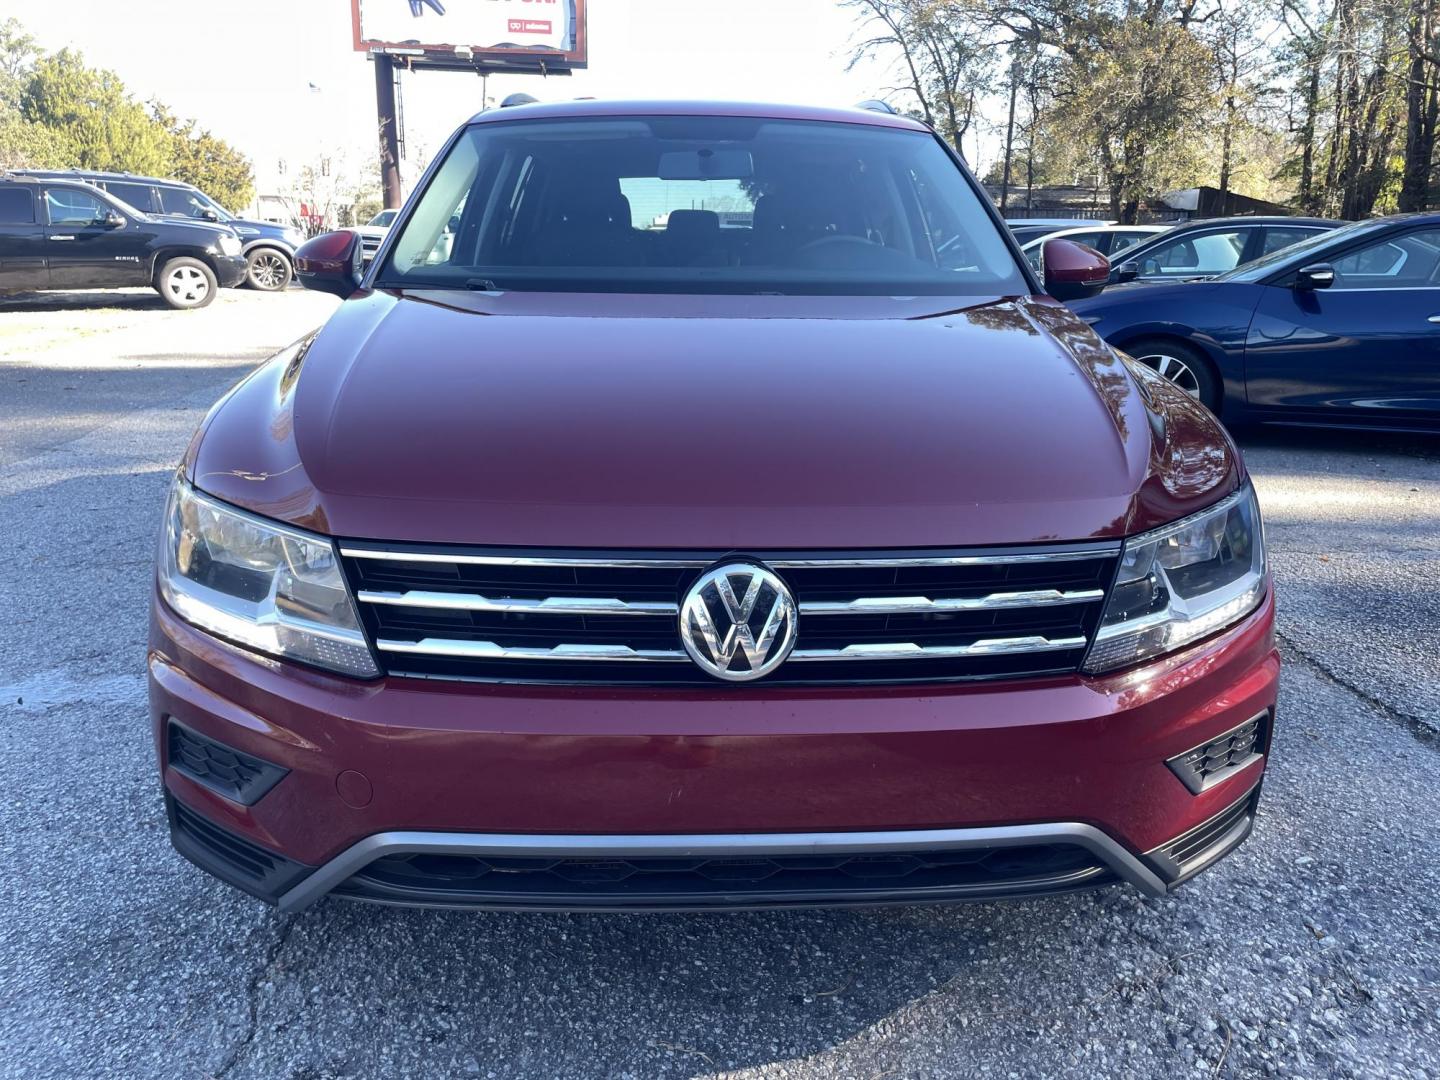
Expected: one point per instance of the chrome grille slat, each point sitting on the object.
(612, 617)
(911, 651)
(549, 605)
(923, 605)
(488, 650)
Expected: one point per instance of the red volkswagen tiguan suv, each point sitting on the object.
(704, 505)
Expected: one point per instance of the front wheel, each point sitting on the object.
(1182, 365)
(186, 283)
(267, 270)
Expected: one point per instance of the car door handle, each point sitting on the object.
(1434, 319)
(62, 238)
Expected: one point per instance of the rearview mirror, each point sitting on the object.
(1074, 271)
(1315, 276)
(706, 164)
(330, 263)
(1127, 271)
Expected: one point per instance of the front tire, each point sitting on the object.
(1182, 365)
(267, 270)
(186, 283)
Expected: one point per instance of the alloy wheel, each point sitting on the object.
(1175, 370)
(187, 285)
(267, 271)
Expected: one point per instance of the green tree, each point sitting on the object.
(22, 144)
(210, 163)
(89, 111)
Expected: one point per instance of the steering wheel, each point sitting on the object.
(835, 240)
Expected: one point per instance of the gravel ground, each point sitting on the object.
(1313, 951)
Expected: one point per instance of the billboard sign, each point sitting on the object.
(510, 33)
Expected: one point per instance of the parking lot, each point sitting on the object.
(1313, 951)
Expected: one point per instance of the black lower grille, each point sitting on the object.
(1205, 766)
(231, 858)
(669, 882)
(1191, 852)
(222, 769)
(968, 614)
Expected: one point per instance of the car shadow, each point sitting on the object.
(84, 300)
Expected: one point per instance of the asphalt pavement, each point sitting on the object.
(1313, 951)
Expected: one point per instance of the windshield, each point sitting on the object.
(701, 205)
(1263, 266)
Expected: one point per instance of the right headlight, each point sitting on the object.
(264, 585)
(1181, 583)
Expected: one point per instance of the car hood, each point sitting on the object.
(709, 422)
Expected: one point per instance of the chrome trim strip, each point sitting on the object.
(550, 605)
(488, 650)
(665, 845)
(911, 651)
(512, 560)
(394, 555)
(954, 560)
(898, 605)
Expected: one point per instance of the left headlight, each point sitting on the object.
(1183, 582)
(266, 586)
(230, 245)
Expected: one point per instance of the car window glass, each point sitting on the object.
(702, 204)
(70, 206)
(181, 202)
(1275, 239)
(1209, 253)
(17, 206)
(1120, 241)
(140, 196)
(1409, 261)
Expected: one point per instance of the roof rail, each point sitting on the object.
(519, 98)
(876, 105)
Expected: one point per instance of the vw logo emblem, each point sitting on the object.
(738, 621)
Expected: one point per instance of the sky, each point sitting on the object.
(279, 79)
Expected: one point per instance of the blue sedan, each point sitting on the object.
(1341, 329)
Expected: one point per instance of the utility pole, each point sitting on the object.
(389, 130)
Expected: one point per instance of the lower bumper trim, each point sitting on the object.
(353, 873)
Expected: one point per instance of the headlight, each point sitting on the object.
(1183, 582)
(294, 237)
(230, 245)
(266, 586)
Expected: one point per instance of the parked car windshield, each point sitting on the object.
(701, 205)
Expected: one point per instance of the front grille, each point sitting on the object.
(599, 617)
(221, 768)
(696, 882)
(1205, 766)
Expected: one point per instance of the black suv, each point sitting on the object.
(269, 248)
(67, 234)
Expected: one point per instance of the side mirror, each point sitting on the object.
(330, 263)
(113, 220)
(1074, 271)
(1315, 276)
(1127, 271)
(209, 215)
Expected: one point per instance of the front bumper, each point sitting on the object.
(229, 270)
(439, 793)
